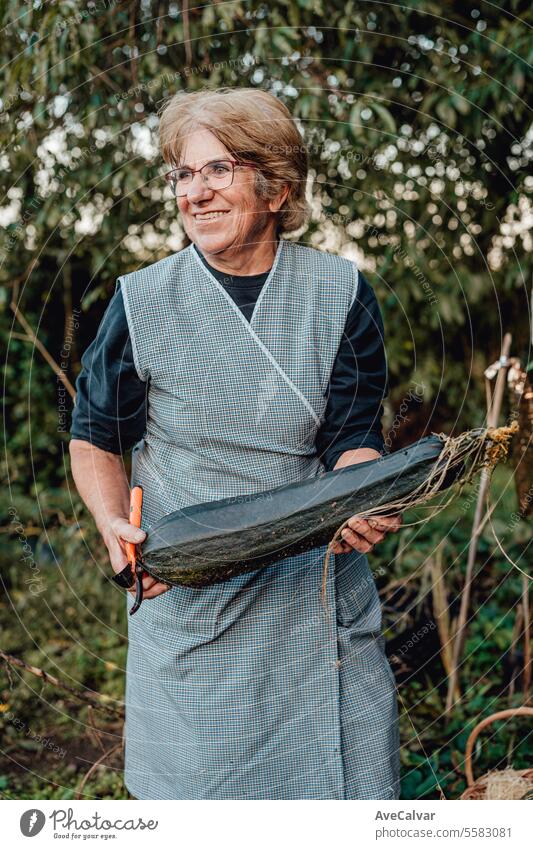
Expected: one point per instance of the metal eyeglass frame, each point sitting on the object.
(172, 180)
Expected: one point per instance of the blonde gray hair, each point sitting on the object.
(254, 126)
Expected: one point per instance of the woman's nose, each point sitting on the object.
(197, 188)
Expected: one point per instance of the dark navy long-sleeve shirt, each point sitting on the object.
(112, 401)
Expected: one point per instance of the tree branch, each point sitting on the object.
(95, 700)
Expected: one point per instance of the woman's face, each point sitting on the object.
(246, 220)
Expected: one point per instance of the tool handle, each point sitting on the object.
(136, 503)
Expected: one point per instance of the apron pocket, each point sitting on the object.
(357, 600)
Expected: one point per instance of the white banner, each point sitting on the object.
(276, 824)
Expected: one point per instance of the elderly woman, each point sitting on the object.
(242, 362)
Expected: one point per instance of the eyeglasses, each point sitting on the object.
(216, 175)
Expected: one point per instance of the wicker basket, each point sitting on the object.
(477, 789)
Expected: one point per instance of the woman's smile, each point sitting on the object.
(207, 217)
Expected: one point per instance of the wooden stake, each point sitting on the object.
(441, 611)
(494, 404)
(527, 639)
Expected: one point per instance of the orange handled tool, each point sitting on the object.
(133, 572)
(136, 503)
(136, 506)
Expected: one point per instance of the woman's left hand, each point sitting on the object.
(363, 534)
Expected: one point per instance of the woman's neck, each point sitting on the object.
(250, 259)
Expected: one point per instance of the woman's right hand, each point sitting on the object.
(118, 533)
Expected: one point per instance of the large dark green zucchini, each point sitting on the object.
(208, 543)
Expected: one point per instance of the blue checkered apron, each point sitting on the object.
(247, 689)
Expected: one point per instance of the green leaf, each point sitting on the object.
(356, 125)
(385, 116)
(446, 113)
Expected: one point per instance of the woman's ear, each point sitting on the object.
(276, 203)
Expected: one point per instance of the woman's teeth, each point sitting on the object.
(206, 216)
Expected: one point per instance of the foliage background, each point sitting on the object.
(420, 135)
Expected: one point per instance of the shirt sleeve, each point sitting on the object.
(358, 383)
(111, 399)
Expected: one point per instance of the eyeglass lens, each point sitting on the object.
(217, 175)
